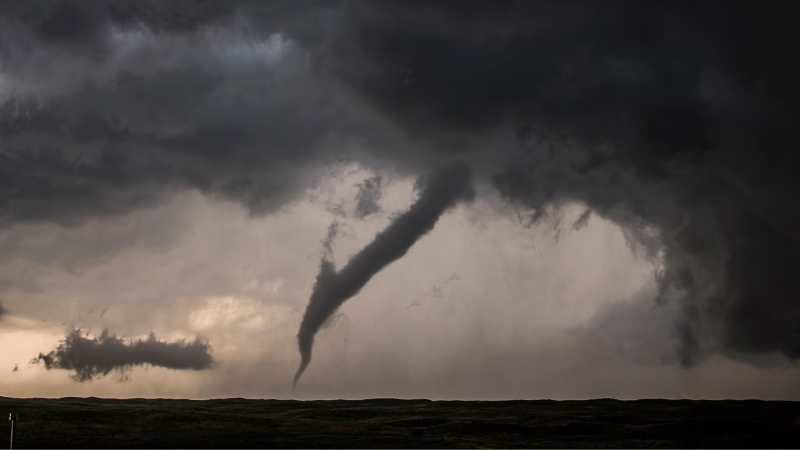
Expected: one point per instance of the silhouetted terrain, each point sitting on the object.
(92, 422)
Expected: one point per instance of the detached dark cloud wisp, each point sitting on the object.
(369, 196)
(93, 357)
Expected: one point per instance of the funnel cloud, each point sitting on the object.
(442, 190)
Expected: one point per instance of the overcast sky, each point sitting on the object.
(474, 200)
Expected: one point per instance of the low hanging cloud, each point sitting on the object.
(678, 126)
(91, 357)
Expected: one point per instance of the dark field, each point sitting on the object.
(91, 422)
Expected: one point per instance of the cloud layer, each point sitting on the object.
(676, 122)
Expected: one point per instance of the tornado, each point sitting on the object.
(440, 190)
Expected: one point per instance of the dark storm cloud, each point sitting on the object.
(559, 65)
(172, 102)
(674, 120)
(441, 190)
(65, 22)
(669, 117)
(92, 357)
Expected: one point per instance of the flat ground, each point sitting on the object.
(92, 422)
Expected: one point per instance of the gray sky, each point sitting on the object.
(169, 173)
